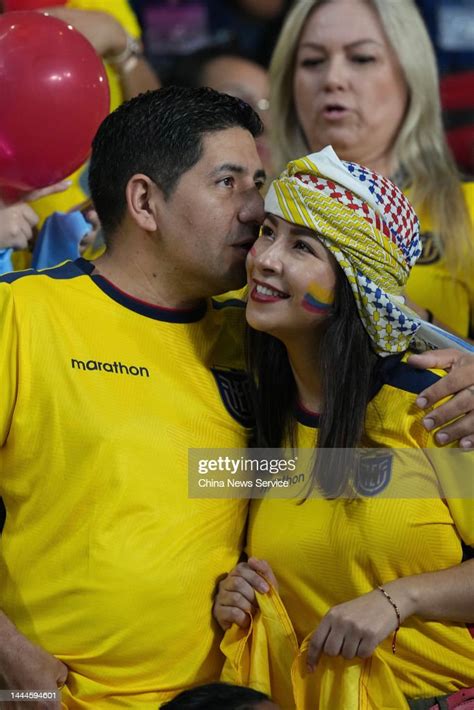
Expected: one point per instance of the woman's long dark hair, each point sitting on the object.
(348, 368)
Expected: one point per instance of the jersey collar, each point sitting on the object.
(306, 417)
(169, 315)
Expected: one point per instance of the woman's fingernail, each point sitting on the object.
(421, 402)
(263, 587)
(441, 437)
(465, 444)
(428, 424)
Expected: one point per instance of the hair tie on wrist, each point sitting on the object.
(128, 57)
(397, 612)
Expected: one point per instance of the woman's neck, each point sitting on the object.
(305, 364)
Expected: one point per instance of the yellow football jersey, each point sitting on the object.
(105, 561)
(326, 552)
(430, 284)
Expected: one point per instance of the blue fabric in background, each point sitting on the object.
(451, 27)
(6, 261)
(59, 239)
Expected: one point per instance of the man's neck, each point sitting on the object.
(140, 273)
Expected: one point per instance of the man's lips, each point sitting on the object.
(247, 242)
(265, 293)
(242, 249)
(245, 245)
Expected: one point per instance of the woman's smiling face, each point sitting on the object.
(291, 277)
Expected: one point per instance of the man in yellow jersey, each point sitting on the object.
(110, 372)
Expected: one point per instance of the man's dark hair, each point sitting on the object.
(159, 134)
(216, 696)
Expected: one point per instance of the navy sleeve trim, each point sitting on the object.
(68, 270)
(404, 377)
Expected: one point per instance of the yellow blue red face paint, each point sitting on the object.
(318, 299)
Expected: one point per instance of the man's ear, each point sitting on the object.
(143, 198)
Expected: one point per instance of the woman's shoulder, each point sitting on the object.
(394, 371)
(393, 418)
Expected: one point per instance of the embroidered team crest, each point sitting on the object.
(234, 388)
(374, 471)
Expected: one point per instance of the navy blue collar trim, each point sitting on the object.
(307, 418)
(168, 315)
(385, 371)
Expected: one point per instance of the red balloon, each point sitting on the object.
(54, 94)
(14, 5)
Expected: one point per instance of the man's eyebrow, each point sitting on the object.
(228, 168)
(238, 170)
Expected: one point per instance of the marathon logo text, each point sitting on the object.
(115, 368)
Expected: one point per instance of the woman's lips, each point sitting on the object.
(335, 113)
(262, 293)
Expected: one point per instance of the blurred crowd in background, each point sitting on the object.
(186, 42)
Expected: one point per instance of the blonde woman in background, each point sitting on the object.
(361, 75)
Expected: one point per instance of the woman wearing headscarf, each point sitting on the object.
(369, 551)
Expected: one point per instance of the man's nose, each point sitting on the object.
(252, 208)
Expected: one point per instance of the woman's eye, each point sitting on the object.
(363, 59)
(266, 231)
(302, 246)
(227, 181)
(311, 62)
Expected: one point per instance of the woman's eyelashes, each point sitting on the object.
(363, 58)
(266, 231)
(295, 243)
(311, 62)
(304, 247)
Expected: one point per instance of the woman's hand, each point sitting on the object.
(357, 627)
(235, 601)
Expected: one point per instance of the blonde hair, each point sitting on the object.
(420, 149)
